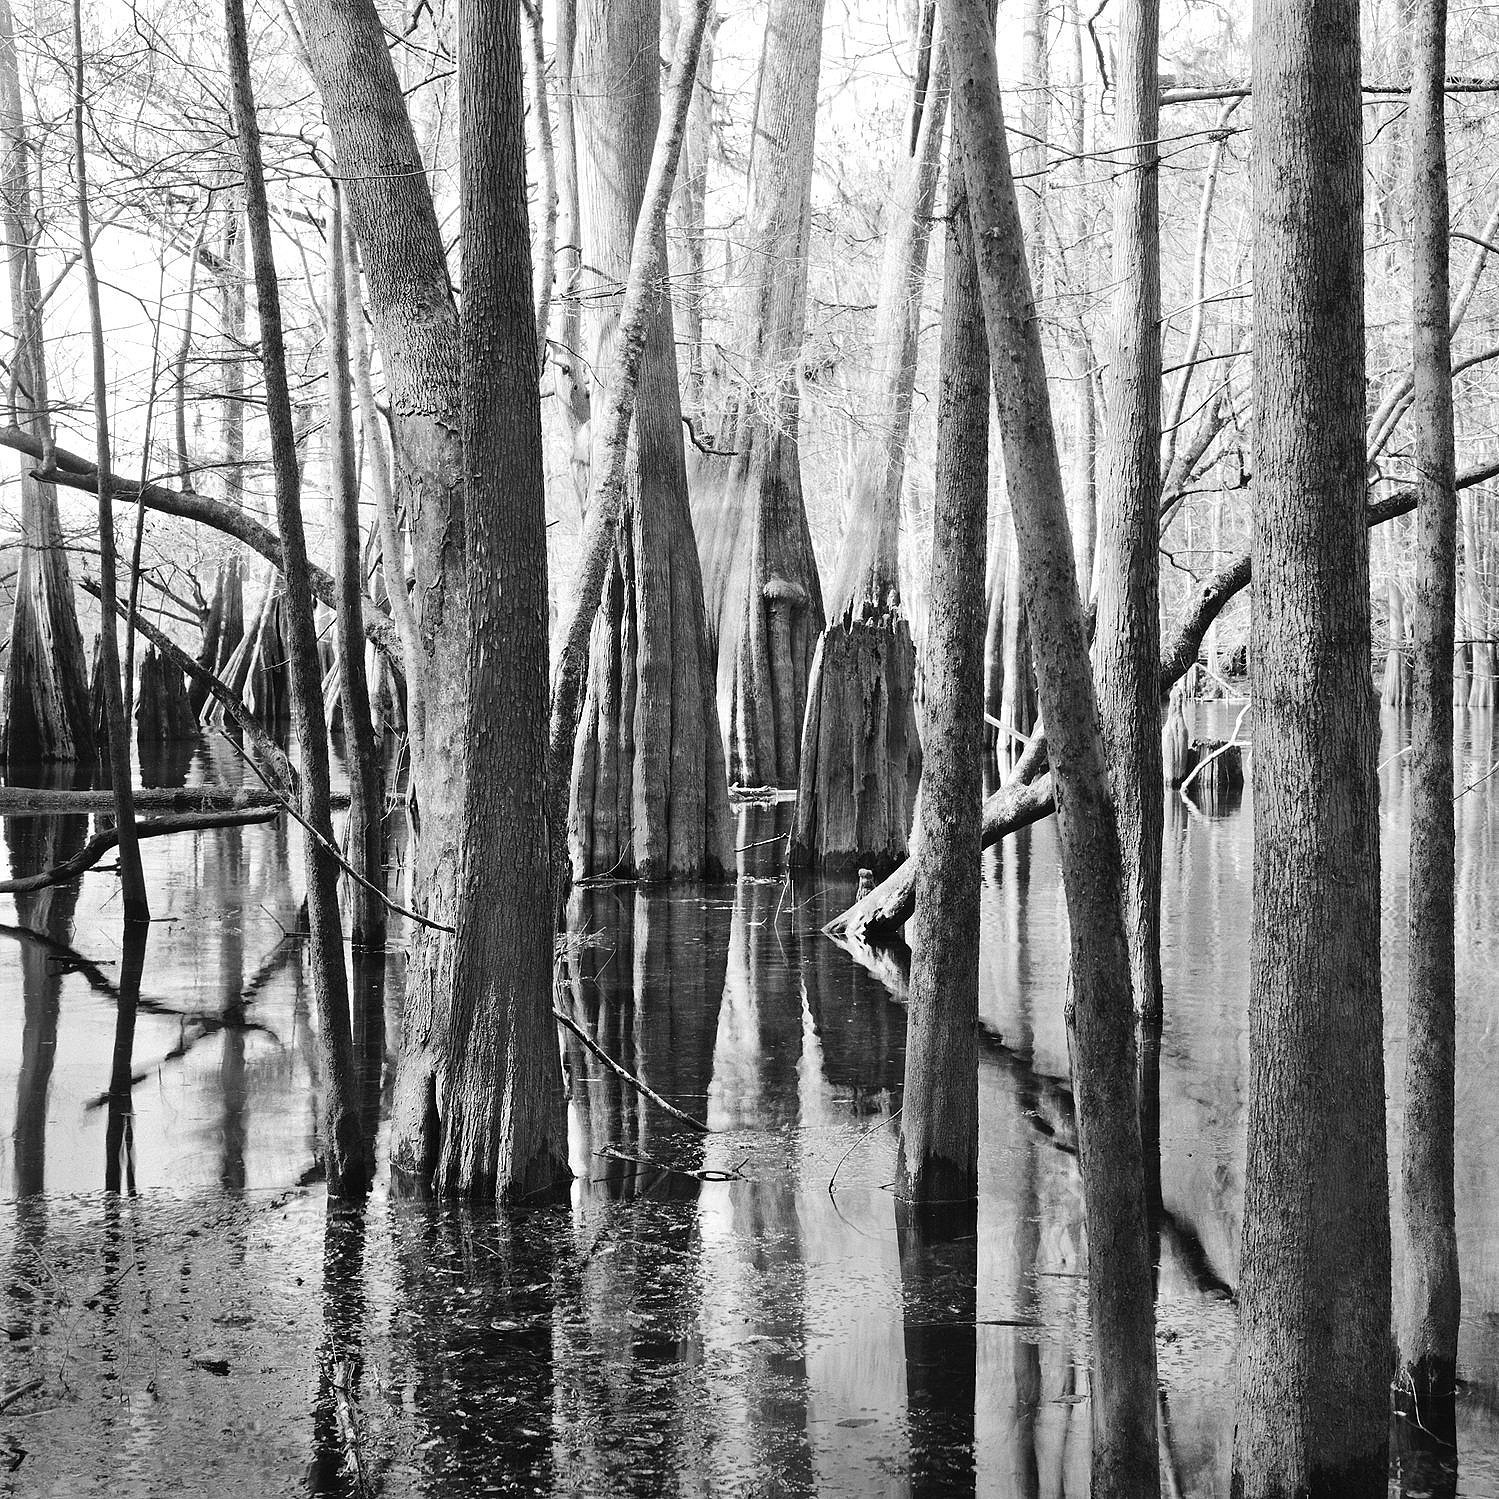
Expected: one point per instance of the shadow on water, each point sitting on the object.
(741, 1312)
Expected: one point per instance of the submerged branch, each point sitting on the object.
(643, 1088)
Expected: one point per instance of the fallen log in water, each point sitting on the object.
(21, 801)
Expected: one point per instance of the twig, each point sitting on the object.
(9, 1397)
(1234, 743)
(629, 1077)
(863, 1134)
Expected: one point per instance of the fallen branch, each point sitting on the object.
(1028, 797)
(43, 800)
(643, 1088)
(75, 472)
(151, 827)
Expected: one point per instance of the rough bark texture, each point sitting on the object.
(345, 1144)
(859, 745)
(1123, 1385)
(649, 796)
(44, 710)
(1128, 636)
(504, 1130)
(764, 596)
(1313, 1367)
(1433, 1301)
(939, 1122)
(416, 325)
(364, 838)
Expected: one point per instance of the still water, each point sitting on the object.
(729, 1315)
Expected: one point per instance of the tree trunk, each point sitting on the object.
(416, 324)
(44, 710)
(117, 730)
(346, 1146)
(1429, 1325)
(859, 745)
(1313, 1373)
(364, 836)
(939, 1123)
(1395, 688)
(649, 796)
(505, 1131)
(1128, 635)
(1100, 1014)
(1481, 646)
(687, 218)
(763, 592)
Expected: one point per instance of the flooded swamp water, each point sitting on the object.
(736, 1314)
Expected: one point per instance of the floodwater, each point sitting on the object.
(735, 1314)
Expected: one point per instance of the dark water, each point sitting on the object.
(734, 1315)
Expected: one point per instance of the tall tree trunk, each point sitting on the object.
(687, 220)
(507, 1138)
(1100, 1013)
(416, 324)
(1481, 692)
(1313, 1371)
(649, 796)
(1128, 634)
(859, 745)
(1433, 1300)
(346, 1147)
(132, 878)
(939, 1122)
(1395, 688)
(764, 595)
(44, 710)
(365, 838)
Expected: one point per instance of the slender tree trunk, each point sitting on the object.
(416, 323)
(508, 1139)
(939, 1122)
(763, 593)
(347, 1148)
(365, 835)
(1481, 647)
(649, 796)
(1128, 635)
(859, 744)
(1433, 1300)
(1395, 689)
(1313, 1370)
(44, 710)
(1101, 1015)
(132, 878)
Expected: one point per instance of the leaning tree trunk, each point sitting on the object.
(1124, 1461)
(859, 745)
(1433, 1301)
(939, 1122)
(649, 796)
(347, 1147)
(416, 324)
(510, 1139)
(44, 710)
(1313, 1371)
(764, 596)
(1128, 634)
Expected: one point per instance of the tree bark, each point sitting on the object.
(763, 593)
(416, 325)
(347, 1149)
(939, 1122)
(648, 793)
(364, 831)
(504, 1128)
(1433, 1300)
(1100, 1013)
(44, 710)
(1313, 1370)
(859, 744)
